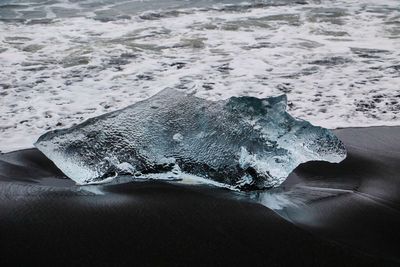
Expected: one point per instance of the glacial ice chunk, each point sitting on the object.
(244, 142)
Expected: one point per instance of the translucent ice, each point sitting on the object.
(243, 142)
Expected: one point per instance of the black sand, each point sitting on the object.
(344, 214)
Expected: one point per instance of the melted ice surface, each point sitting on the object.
(242, 142)
(64, 61)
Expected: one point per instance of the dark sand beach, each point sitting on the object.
(344, 214)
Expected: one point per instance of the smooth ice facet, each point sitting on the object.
(244, 142)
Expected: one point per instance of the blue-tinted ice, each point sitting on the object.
(244, 142)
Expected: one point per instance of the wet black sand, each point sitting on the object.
(344, 214)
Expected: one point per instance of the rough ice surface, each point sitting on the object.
(244, 142)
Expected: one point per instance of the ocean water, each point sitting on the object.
(63, 61)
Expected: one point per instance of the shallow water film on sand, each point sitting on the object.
(64, 61)
(242, 142)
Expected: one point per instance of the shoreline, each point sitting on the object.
(324, 214)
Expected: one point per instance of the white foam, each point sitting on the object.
(64, 72)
